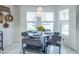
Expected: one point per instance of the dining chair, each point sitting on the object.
(31, 44)
(56, 33)
(24, 34)
(56, 41)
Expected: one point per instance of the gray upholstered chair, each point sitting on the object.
(31, 44)
(24, 34)
(56, 41)
(56, 33)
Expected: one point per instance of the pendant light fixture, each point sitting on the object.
(40, 12)
(39, 16)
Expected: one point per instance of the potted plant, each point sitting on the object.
(40, 28)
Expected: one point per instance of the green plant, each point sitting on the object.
(40, 28)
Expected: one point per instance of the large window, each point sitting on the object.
(31, 20)
(64, 19)
(46, 21)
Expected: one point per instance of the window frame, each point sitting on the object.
(64, 21)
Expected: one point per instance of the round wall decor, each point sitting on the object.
(9, 18)
(1, 17)
(5, 25)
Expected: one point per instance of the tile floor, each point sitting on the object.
(16, 49)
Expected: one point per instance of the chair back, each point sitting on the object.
(31, 42)
(56, 40)
(56, 33)
(24, 34)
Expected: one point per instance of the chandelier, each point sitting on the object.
(7, 18)
(40, 12)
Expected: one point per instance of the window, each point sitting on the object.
(64, 15)
(31, 16)
(30, 26)
(65, 28)
(48, 26)
(49, 16)
(46, 21)
(64, 19)
(30, 20)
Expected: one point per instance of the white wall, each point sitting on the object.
(17, 25)
(11, 35)
(77, 27)
(7, 32)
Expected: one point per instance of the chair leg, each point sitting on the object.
(59, 49)
(46, 49)
(41, 50)
(23, 51)
(2, 48)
